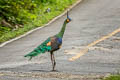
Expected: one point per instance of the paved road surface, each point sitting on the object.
(91, 20)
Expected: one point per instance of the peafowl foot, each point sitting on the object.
(54, 70)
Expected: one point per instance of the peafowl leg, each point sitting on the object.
(51, 58)
(54, 64)
(53, 61)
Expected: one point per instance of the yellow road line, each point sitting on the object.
(82, 52)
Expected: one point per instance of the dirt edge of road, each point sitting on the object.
(53, 75)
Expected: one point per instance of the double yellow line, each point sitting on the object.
(82, 52)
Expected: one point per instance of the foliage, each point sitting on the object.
(25, 15)
(17, 11)
(113, 77)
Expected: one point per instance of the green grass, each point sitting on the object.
(39, 21)
(113, 77)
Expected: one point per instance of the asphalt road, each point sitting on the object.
(91, 20)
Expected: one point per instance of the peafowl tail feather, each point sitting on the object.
(39, 50)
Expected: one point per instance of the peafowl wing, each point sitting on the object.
(55, 43)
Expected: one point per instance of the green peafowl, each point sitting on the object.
(50, 45)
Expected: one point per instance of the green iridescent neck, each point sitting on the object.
(61, 33)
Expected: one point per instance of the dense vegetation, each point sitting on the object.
(20, 16)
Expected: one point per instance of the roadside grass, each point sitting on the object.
(112, 77)
(42, 19)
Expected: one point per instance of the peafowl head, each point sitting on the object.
(68, 18)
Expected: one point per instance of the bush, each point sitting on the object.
(20, 16)
(17, 11)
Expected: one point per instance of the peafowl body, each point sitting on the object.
(51, 44)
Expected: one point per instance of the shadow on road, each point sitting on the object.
(44, 71)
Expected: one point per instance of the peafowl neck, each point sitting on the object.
(61, 33)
